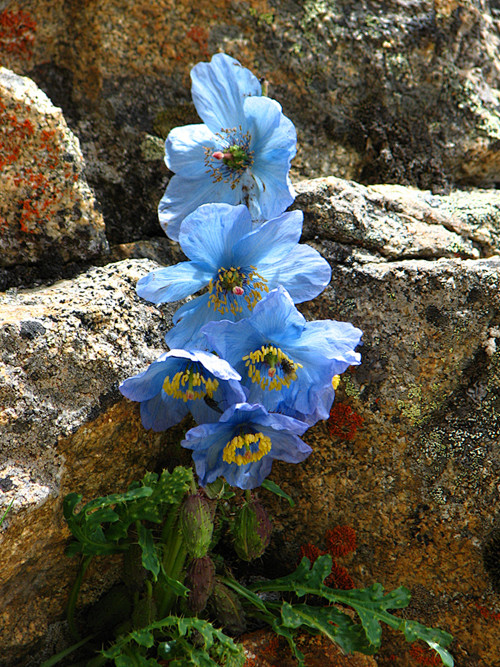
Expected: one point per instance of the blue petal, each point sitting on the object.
(219, 90)
(162, 412)
(208, 235)
(336, 340)
(232, 340)
(185, 150)
(172, 283)
(275, 314)
(147, 384)
(183, 196)
(271, 241)
(287, 446)
(228, 393)
(303, 272)
(274, 138)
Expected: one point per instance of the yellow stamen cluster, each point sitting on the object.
(222, 295)
(190, 385)
(272, 357)
(335, 381)
(243, 442)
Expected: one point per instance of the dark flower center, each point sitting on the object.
(270, 367)
(246, 448)
(229, 285)
(227, 164)
(190, 385)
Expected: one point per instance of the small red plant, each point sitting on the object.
(340, 540)
(343, 422)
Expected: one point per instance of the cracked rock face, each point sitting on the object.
(64, 427)
(410, 456)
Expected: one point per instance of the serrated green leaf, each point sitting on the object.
(150, 560)
(143, 638)
(274, 488)
(179, 589)
(287, 633)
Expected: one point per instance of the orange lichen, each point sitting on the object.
(487, 613)
(340, 540)
(424, 656)
(310, 551)
(17, 32)
(339, 578)
(32, 192)
(199, 36)
(343, 422)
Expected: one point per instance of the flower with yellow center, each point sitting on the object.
(239, 263)
(180, 382)
(242, 445)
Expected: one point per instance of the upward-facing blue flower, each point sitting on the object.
(239, 263)
(180, 382)
(241, 155)
(241, 446)
(286, 363)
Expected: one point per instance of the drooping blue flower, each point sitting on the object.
(180, 382)
(286, 363)
(242, 445)
(240, 155)
(239, 263)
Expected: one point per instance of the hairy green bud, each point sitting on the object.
(197, 525)
(252, 531)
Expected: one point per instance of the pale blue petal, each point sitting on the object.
(147, 384)
(270, 241)
(219, 89)
(286, 446)
(162, 412)
(303, 272)
(172, 283)
(336, 340)
(185, 150)
(275, 316)
(273, 135)
(208, 235)
(183, 196)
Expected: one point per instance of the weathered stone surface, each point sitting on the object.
(47, 211)
(418, 480)
(403, 91)
(64, 427)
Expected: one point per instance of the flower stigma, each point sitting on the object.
(190, 385)
(246, 448)
(270, 361)
(227, 164)
(232, 283)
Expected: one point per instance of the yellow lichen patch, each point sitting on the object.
(335, 381)
(190, 386)
(273, 359)
(239, 449)
(226, 287)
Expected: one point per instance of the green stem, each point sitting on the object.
(173, 562)
(74, 597)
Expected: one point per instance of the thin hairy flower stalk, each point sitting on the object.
(74, 597)
(173, 562)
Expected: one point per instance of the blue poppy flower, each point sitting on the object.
(239, 263)
(240, 155)
(286, 363)
(180, 382)
(242, 445)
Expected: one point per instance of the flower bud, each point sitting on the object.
(228, 609)
(252, 531)
(196, 523)
(200, 579)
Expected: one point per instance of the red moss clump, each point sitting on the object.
(340, 540)
(343, 422)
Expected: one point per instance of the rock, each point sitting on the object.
(264, 649)
(64, 427)
(48, 213)
(403, 91)
(409, 457)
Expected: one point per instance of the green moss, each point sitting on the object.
(350, 388)
(166, 119)
(152, 148)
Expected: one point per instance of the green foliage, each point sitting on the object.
(191, 642)
(102, 525)
(274, 488)
(370, 604)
